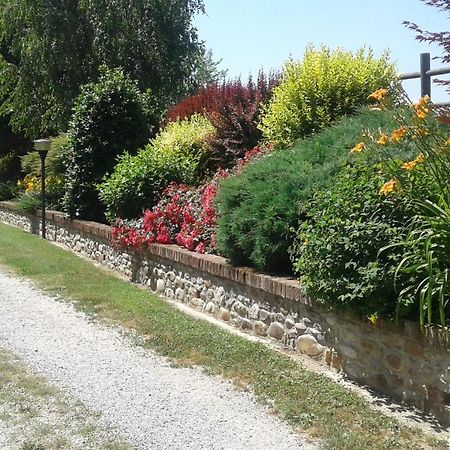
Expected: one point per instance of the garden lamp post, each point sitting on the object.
(42, 146)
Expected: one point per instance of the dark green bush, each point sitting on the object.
(6, 191)
(326, 85)
(7, 167)
(8, 171)
(259, 208)
(110, 117)
(177, 154)
(336, 253)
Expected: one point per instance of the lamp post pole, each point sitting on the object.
(42, 146)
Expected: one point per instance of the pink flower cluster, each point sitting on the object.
(185, 215)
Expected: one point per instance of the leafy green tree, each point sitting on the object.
(206, 72)
(110, 117)
(49, 48)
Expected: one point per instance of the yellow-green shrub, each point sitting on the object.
(324, 86)
(175, 155)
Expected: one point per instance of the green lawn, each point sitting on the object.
(310, 402)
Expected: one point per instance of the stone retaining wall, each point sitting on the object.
(397, 360)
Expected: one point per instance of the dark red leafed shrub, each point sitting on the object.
(194, 104)
(185, 215)
(233, 108)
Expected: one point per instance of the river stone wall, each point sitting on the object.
(396, 360)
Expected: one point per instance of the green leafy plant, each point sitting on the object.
(6, 191)
(323, 87)
(110, 117)
(29, 202)
(336, 252)
(8, 172)
(260, 207)
(30, 191)
(175, 155)
(48, 50)
(7, 167)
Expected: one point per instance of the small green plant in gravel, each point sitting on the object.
(310, 402)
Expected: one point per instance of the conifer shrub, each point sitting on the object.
(324, 86)
(260, 208)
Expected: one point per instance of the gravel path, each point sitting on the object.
(153, 405)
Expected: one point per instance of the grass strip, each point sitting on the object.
(310, 402)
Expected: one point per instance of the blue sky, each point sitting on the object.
(252, 34)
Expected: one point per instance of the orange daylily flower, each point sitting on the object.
(420, 158)
(398, 134)
(383, 140)
(379, 94)
(422, 113)
(421, 107)
(422, 102)
(358, 147)
(389, 186)
(412, 164)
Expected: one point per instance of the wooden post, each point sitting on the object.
(425, 80)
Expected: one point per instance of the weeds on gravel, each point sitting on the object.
(310, 402)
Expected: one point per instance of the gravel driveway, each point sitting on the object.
(153, 405)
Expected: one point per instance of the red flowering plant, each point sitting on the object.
(185, 215)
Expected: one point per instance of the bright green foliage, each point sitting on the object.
(323, 87)
(336, 253)
(110, 117)
(187, 137)
(260, 207)
(49, 49)
(175, 155)
(54, 162)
